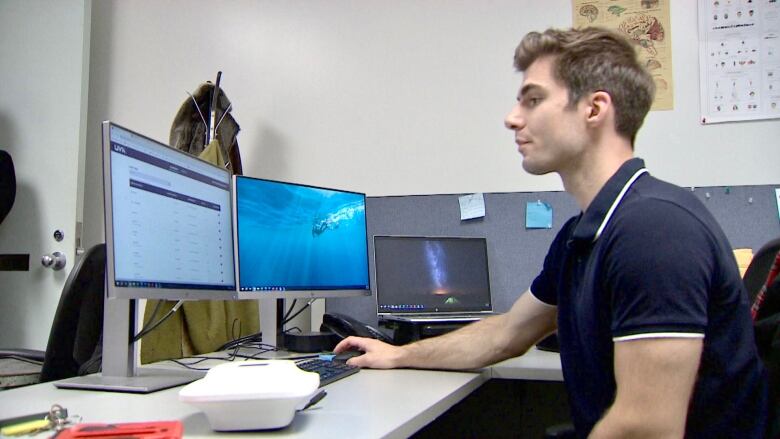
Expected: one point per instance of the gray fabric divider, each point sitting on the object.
(747, 214)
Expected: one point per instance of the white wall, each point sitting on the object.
(44, 48)
(388, 98)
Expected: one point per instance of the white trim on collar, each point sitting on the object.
(617, 201)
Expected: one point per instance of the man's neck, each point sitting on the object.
(584, 180)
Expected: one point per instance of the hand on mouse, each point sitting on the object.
(378, 355)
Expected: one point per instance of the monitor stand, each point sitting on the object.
(271, 318)
(119, 371)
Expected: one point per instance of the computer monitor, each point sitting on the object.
(431, 275)
(297, 241)
(168, 228)
(168, 221)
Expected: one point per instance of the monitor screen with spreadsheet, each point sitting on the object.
(168, 221)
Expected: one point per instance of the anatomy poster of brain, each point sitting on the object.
(646, 24)
(643, 30)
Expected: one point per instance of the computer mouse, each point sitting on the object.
(346, 355)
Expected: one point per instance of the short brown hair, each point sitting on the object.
(594, 59)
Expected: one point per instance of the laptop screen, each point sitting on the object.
(416, 274)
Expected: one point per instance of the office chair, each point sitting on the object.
(7, 184)
(767, 333)
(75, 340)
(756, 273)
(767, 325)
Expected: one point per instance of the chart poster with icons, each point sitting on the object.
(739, 60)
(646, 24)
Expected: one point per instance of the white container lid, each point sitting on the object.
(251, 395)
(253, 379)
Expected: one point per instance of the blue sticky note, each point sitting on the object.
(538, 215)
(777, 198)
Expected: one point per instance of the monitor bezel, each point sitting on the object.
(131, 292)
(293, 294)
(423, 237)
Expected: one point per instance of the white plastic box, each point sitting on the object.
(251, 395)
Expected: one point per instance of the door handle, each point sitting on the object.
(56, 261)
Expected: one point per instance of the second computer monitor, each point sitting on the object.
(295, 240)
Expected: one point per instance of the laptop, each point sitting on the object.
(422, 279)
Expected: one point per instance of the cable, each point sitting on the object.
(149, 328)
(26, 360)
(261, 347)
(151, 317)
(198, 361)
(287, 314)
(257, 345)
(256, 356)
(233, 332)
(286, 320)
(239, 341)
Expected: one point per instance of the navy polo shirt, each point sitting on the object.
(647, 259)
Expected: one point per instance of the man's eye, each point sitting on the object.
(532, 101)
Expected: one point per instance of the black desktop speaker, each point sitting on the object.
(7, 184)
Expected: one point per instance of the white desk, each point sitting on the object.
(535, 365)
(369, 404)
(14, 372)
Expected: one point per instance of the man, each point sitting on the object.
(642, 286)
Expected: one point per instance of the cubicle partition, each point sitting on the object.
(747, 214)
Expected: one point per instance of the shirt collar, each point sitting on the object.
(595, 218)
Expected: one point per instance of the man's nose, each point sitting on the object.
(514, 119)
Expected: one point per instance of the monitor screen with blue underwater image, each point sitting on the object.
(295, 240)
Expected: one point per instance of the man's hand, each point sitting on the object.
(378, 355)
(473, 346)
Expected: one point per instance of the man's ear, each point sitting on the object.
(599, 104)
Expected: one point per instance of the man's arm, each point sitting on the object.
(476, 345)
(655, 378)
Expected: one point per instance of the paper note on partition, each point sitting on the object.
(777, 198)
(538, 215)
(472, 206)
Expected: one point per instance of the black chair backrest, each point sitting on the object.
(7, 184)
(756, 273)
(767, 331)
(78, 322)
(767, 325)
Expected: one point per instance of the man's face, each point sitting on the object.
(549, 134)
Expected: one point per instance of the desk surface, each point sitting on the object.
(15, 372)
(535, 365)
(370, 404)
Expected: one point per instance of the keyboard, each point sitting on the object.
(436, 317)
(329, 371)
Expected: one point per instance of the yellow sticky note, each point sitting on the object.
(744, 256)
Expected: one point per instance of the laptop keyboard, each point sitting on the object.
(329, 371)
(447, 316)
